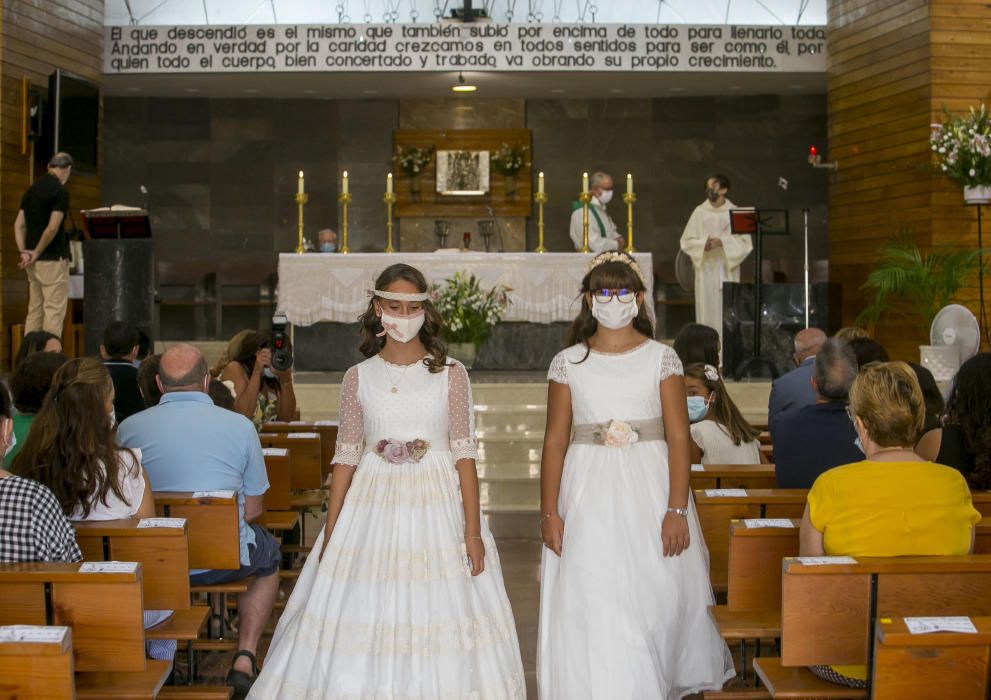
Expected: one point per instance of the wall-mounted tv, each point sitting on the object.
(74, 113)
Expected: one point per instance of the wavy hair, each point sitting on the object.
(71, 447)
(371, 324)
(724, 410)
(244, 355)
(608, 275)
(969, 406)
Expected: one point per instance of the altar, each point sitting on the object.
(323, 295)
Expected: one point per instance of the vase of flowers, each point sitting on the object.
(509, 160)
(469, 312)
(413, 161)
(962, 148)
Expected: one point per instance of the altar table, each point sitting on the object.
(544, 287)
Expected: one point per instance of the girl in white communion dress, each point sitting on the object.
(402, 597)
(625, 590)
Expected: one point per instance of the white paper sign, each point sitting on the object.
(297, 422)
(821, 561)
(698, 468)
(32, 633)
(768, 522)
(735, 493)
(303, 435)
(925, 625)
(213, 494)
(275, 451)
(327, 423)
(109, 567)
(162, 522)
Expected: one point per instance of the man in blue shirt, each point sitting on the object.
(188, 444)
(793, 390)
(809, 440)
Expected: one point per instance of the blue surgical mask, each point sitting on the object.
(697, 408)
(328, 247)
(268, 373)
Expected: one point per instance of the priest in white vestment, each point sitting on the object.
(715, 252)
(602, 232)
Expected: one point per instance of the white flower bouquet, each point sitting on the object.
(962, 147)
(469, 311)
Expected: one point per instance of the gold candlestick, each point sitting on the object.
(585, 198)
(540, 198)
(629, 198)
(389, 199)
(301, 199)
(345, 199)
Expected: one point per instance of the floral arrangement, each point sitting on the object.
(962, 147)
(398, 452)
(615, 433)
(509, 160)
(413, 160)
(469, 311)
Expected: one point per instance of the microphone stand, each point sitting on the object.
(805, 215)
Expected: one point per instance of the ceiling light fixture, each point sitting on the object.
(462, 86)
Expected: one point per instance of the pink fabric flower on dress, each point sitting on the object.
(620, 434)
(394, 452)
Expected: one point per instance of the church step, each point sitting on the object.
(513, 522)
(509, 420)
(497, 470)
(520, 492)
(496, 451)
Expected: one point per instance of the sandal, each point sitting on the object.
(239, 680)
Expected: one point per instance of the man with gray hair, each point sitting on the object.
(810, 440)
(602, 232)
(39, 231)
(189, 444)
(793, 389)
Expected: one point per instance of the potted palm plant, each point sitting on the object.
(469, 313)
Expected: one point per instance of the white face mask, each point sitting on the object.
(403, 329)
(605, 197)
(268, 373)
(614, 314)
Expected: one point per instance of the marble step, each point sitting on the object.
(513, 521)
(497, 451)
(496, 471)
(509, 419)
(510, 492)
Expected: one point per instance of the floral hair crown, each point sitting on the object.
(711, 373)
(398, 296)
(613, 256)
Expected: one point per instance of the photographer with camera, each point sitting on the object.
(262, 375)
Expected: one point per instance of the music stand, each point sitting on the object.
(117, 223)
(757, 222)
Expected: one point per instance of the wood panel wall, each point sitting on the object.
(38, 37)
(893, 64)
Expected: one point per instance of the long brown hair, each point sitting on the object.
(371, 324)
(614, 274)
(71, 447)
(725, 411)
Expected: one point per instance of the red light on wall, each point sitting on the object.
(812, 151)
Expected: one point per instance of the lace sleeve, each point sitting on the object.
(351, 433)
(558, 371)
(461, 413)
(670, 363)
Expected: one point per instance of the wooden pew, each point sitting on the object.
(931, 665)
(733, 476)
(305, 455)
(982, 502)
(716, 511)
(828, 612)
(37, 669)
(328, 437)
(278, 466)
(982, 537)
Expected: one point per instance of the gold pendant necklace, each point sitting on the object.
(395, 385)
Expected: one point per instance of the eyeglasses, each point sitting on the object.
(625, 296)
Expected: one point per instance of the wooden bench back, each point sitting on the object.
(279, 470)
(104, 611)
(734, 476)
(827, 611)
(328, 437)
(162, 551)
(982, 502)
(932, 665)
(212, 527)
(37, 669)
(755, 556)
(305, 454)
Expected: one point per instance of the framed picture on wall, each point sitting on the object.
(462, 173)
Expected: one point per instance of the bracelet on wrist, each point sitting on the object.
(473, 537)
(548, 516)
(683, 512)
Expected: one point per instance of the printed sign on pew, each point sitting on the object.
(451, 47)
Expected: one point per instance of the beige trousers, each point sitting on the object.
(48, 296)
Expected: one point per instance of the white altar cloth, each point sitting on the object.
(316, 287)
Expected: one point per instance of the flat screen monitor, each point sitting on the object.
(74, 109)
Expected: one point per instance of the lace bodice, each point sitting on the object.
(435, 407)
(623, 386)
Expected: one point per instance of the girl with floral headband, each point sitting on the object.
(720, 433)
(624, 590)
(403, 594)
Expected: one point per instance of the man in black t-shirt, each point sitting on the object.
(44, 246)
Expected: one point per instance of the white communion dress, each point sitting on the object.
(390, 612)
(618, 619)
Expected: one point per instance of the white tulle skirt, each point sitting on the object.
(619, 620)
(390, 613)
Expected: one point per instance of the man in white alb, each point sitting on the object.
(715, 252)
(602, 232)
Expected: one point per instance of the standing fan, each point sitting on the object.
(684, 272)
(955, 336)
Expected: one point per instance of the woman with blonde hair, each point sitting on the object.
(893, 503)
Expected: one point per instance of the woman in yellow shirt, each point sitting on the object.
(894, 503)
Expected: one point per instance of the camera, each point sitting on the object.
(281, 348)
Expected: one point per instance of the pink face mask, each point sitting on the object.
(402, 329)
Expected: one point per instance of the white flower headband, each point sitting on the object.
(711, 373)
(398, 296)
(613, 256)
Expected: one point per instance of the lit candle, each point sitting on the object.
(299, 183)
(388, 183)
(344, 183)
(540, 183)
(629, 182)
(584, 183)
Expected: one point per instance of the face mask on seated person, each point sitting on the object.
(328, 247)
(614, 314)
(698, 407)
(268, 373)
(402, 329)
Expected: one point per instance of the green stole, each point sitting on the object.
(576, 205)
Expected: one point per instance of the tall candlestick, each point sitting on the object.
(630, 197)
(540, 198)
(344, 183)
(344, 198)
(584, 183)
(301, 199)
(540, 183)
(299, 184)
(388, 183)
(629, 182)
(389, 199)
